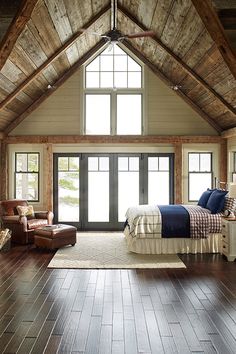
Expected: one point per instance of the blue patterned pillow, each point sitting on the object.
(216, 201)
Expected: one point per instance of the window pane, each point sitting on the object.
(193, 162)
(153, 164)
(120, 63)
(94, 65)
(109, 50)
(158, 188)
(205, 162)
(163, 163)
(198, 183)
(33, 162)
(21, 162)
(68, 196)
(63, 163)
(97, 114)
(134, 80)
(27, 186)
(128, 192)
(93, 164)
(106, 63)
(129, 114)
(123, 164)
(120, 79)
(134, 164)
(133, 65)
(106, 79)
(103, 163)
(74, 163)
(92, 80)
(98, 196)
(118, 50)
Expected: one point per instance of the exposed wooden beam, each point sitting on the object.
(50, 60)
(216, 31)
(169, 83)
(3, 171)
(228, 18)
(179, 61)
(112, 139)
(223, 160)
(48, 175)
(55, 86)
(229, 133)
(15, 29)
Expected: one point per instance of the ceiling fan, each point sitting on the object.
(114, 36)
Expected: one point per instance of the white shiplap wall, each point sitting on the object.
(164, 112)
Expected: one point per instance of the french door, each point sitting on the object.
(93, 191)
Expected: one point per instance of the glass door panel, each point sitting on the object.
(68, 189)
(158, 180)
(128, 184)
(98, 189)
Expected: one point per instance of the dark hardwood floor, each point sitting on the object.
(49, 311)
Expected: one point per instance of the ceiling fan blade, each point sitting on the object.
(140, 34)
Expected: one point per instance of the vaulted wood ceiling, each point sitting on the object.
(190, 51)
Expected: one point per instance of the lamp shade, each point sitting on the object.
(232, 190)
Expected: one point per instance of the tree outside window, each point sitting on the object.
(27, 176)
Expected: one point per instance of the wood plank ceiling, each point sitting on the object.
(50, 48)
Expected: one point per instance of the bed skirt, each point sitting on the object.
(212, 244)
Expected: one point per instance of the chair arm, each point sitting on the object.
(44, 215)
(15, 219)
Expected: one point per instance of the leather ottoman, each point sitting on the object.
(55, 236)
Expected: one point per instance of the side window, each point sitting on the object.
(199, 174)
(27, 176)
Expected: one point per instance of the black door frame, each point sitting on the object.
(114, 224)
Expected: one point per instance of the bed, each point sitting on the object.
(172, 229)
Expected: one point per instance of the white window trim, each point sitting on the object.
(214, 149)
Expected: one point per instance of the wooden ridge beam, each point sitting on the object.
(50, 60)
(157, 72)
(215, 29)
(18, 24)
(113, 139)
(179, 61)
(55, 86)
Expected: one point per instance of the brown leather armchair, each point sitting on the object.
(22, 227)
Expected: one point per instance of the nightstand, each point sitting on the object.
(229, 239)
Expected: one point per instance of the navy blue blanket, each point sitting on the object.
(175, 221)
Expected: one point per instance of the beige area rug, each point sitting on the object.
(98, 250)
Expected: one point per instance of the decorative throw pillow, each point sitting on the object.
(204, 198)
(216, 201)
(230, 204)
(27, 210)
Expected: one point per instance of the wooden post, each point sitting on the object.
(3, 173)
(223, 160)
(48, 178)
(178, 173)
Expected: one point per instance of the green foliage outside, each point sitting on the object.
(68, 200)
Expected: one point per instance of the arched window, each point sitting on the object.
(113, 94)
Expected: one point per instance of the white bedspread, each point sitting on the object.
(144, 221)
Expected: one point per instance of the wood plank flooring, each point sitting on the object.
(50, 311)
